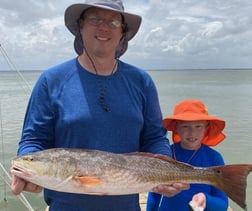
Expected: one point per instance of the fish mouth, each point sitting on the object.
(20, 171)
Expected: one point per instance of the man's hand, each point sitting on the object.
(170, 189)
(18, 185)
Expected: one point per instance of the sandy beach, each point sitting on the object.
(143, 198)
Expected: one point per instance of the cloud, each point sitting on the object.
(174, 34)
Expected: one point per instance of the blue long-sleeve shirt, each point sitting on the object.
(215, 199)
(64, 111)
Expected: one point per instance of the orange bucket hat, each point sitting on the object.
(195, 110)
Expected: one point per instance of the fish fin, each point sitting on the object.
(148, 154)
(234, 181)
(88, 181)
(159, 156)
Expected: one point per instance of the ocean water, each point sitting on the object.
(227, 94)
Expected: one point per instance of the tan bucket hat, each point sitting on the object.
(73, 12)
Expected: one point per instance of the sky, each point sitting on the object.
(174, 34)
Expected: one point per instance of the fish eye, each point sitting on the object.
(28, 158)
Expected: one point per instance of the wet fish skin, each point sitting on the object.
(103, 173)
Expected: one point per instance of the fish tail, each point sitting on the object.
(234, 181)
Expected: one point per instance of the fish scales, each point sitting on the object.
(103, 173)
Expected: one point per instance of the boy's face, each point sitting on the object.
(191, 133)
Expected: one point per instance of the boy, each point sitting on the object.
(193, 131)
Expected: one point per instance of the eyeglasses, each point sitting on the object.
(96, 21)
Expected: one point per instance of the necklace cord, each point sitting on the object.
(190, 158)
(102, 88)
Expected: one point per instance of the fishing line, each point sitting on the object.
(21, 196)
(2, 143)
(13, 67)
(3, 158)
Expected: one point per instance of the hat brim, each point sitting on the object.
(214, 135)
(72, 15)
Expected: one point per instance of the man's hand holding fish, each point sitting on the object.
(18, 185)
(170, 189)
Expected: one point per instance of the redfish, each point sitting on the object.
(104, 173)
